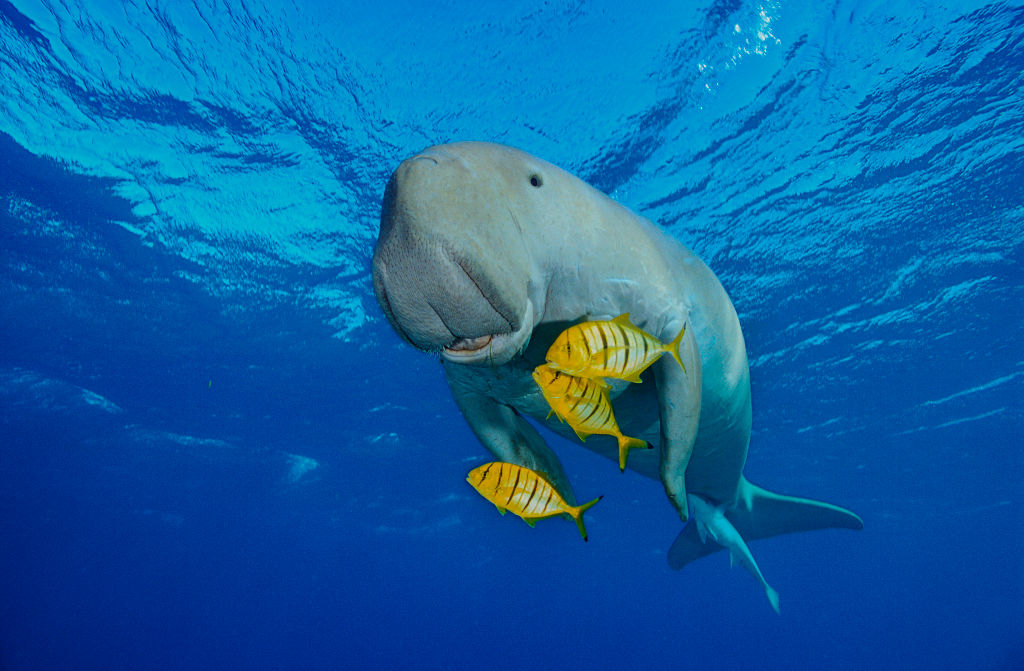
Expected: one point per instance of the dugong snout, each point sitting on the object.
(431, 298)
(450, 270)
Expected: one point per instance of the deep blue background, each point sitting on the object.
(214, 453)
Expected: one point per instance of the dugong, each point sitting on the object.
(486, 253)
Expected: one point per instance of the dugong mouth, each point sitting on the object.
(494, 348)
(469, 345)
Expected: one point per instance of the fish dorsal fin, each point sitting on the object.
(622, 319)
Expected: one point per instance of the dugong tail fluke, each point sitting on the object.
(748, 563)
(712, 525)
(756, 514)
(773, 597)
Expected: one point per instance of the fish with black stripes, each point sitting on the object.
(585, 406)
(527, 493)
(611, 348)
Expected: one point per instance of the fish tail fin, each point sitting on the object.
(758, 514)
(577, 514)
(625, 445)
(673, 347)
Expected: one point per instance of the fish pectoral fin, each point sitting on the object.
(560, 416)
(570, 398)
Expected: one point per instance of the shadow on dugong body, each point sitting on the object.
(485, 254)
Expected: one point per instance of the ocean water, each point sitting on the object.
(216, 454)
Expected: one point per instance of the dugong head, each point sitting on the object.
(453, 269)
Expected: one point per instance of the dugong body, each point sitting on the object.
(486, 254)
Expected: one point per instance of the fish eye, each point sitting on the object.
(536, 181)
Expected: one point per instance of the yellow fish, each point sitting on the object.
(584, 405)
(525, 492)
(613, 348)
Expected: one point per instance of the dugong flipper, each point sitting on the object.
(486, 254)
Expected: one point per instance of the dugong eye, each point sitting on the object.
(536, 181)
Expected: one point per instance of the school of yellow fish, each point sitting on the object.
(579, 359)
(573, 383)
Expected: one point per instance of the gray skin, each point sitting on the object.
(486, 254)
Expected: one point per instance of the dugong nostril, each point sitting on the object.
(425, 157)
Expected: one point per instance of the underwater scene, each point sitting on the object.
(296, 297)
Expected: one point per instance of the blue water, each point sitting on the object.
(215, 453)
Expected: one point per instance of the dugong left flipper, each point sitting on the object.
(509, 437)
(486, 254)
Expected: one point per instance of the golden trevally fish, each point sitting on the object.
(613, 348)
(525, 492)
(583, 404)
